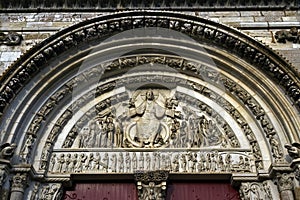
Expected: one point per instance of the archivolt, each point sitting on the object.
(46, 78)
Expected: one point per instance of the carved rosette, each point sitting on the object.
(152, 184)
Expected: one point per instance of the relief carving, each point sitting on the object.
(255, 191)
(198, 31)
(50, 192)
(130, 162)
(151, 184)
(173, 124)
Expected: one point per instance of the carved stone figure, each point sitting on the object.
(96, 162)
(113, 164)
(74, 160)
(27, 148)
(128, 162)
(176, 163)
(80, 163)
(152, 185)
(134, 162)
(34, 192)
(121, 162)
(154, 161)
(105, 161)
(148, 161)
(148, 125)
(52, 163)
(220, 163)
(66, 163)
(60, 162)
(141, 161)
(168, 161)
(228, 163)
(183, 163)
(276, 150)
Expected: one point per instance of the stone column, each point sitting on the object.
(18, 185)
(285, 183)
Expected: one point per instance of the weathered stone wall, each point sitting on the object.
(35, 27)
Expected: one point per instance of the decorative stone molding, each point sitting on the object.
(131, 162)
(151, 184)
(199, 29)
(130, 150)
(126, 4)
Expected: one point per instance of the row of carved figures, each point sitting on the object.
(128, 162)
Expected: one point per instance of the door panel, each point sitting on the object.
(102, 191)
(201, 191)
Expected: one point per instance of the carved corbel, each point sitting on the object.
(152, 184)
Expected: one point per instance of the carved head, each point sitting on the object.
(149, 95)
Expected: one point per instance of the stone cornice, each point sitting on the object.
(127, 5)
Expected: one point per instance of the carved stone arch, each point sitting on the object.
(90, 73)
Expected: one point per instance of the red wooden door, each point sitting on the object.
(102, 191)
(201, 191)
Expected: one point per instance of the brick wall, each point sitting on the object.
(37, 26)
